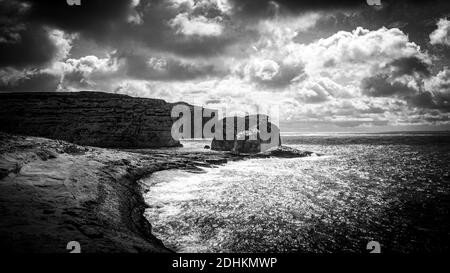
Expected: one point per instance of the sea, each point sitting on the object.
(391, 188)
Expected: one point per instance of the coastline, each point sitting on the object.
(53, 192)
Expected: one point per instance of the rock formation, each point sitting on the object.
(248, 135)
(89, 118)
(285, 152)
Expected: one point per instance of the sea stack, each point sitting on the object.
(249, 134)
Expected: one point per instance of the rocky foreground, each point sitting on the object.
(53, 192)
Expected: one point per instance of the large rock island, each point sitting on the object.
(250, 134)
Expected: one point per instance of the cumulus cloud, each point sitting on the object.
(442, 34)
(320, 89)
(262, 70)
(403, 77)
(438, 87)
(89, 72)
(200, 25)
(440, 82)
(359, 52)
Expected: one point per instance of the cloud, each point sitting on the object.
(431, 92)
(166, 68)
(25, 45)
(37, 81)
(409, 66)
(35, 46)
(401, 77)
(92, 72)
(410, 16)
(93, 16)
(382, 86)
(262, 70)
(440, 82)
(273, 76)
(267, 8)
(336, 66)
(89, 72)
(438, 88)
(326, 63)
(442, 34)
(10, 25)
(200, 25)
(189, 28)
(359, 51)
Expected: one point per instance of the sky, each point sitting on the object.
(327, 66)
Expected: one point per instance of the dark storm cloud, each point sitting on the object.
(428, 100)
(382, 86)
(263, 8)
(107, 22)
(422, 100)
(24, 25)
(9, 23)
(34, 82)
(93, 16)
(156, 32)
(166, 69)
(409, 66)
(385, 86)
(22, 45)
(33, 48)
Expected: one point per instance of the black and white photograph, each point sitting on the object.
(223, 127)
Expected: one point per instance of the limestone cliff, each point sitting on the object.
(89, 118)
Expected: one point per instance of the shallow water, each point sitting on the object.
(390, 188)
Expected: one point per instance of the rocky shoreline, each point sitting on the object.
(53, 192)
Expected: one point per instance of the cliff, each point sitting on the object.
(89, 118)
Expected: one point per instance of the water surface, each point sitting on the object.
(392, 188)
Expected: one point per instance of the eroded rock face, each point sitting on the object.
(286, 152)
(89, 118)
(252, 139)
